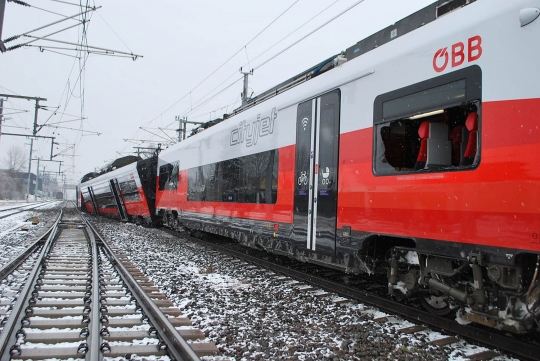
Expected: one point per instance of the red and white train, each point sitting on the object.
(414, 153)
(125, 190)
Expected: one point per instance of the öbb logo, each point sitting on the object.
(474, 52)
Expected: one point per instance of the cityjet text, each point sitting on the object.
(249, 132)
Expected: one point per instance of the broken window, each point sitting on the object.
(168, 176)
(429, 126)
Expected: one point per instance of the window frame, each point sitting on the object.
(130, 193)
(172, 168)
(473, 94)
(232, 186)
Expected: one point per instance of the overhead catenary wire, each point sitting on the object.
(75, 84)
(35, 7)
(217, 69)
(82, 67)
(258, 56)
(43, 49)
(76, 49)
(6, 90)
(296, 42)
(224, 63)
(48, 25)
(282, 51)
(106, 23)
(68, 3)
(203, 102)
(295, 30)
(69, 91)
(309, 34)
(36, 38)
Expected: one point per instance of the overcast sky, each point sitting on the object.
(181, 43)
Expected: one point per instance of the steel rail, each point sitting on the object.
(25, 209)
(523, 350)
(21, 257)
(94, 339)
(9, 336)
(15, 207)
(177, 347)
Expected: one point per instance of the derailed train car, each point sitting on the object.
(416, 157)
(126, 193)
(413, 154)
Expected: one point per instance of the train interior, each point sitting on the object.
(435, 140)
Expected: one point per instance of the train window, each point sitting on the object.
(431, 126)
(104, 196)
(202, 183)
(249, 179)
(86, 196)
(168, 176)
(130, 191)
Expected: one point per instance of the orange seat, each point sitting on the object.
(423, 133)
(458, 137)
(472, 126)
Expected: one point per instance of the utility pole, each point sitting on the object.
(30, 157)
(182, 121)
(64, 195)
(1, 100)
(2, 10)
(43, 181)
(29, 165)
(246, 80)
(34, 132)
(37, 180)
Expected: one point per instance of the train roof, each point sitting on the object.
(404, 26)
(116, 164)
(88, 176)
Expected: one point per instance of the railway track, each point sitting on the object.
(365, 291)
(70, 296)
(17, 210)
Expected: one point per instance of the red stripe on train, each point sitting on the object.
(137, 208)
(279, 212)
(113, 211)
(497, 204)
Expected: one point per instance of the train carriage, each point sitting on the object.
(126, 193)
(416, 155)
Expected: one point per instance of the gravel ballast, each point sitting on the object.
(252, 314)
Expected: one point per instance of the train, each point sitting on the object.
(413, 154)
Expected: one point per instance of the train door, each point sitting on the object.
(315, 191)
(93, 199)
(118, 198)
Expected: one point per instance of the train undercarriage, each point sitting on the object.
(497, 295)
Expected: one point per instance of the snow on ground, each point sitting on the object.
(5, 206)
(251, 314)
(13, 239)
(51, 205)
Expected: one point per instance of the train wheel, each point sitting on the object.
(438, 305)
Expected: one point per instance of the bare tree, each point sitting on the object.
(15, 159)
